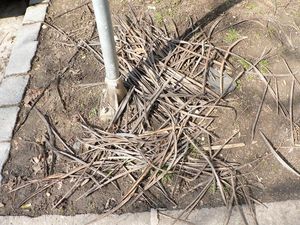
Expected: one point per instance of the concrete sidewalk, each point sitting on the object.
(277, 213)
(11, 17)
(8, 30)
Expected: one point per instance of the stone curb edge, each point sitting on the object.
(16, 77)
(275, 213)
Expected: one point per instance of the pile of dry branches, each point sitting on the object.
(160, 139)
(155, 138)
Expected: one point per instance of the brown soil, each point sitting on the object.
(60, 69)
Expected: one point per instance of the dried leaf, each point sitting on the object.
(26, 206)
(36, 168)
(31, 96)
(35, 159)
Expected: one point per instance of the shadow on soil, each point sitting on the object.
(186, 35)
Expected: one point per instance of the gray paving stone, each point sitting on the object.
(276, 213)
(35, 13)
(4, 153)
(34, 2)
(28, 33)
(12, 90)
(8, 117)
(20, 58)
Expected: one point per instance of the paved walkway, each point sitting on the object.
(278, 213)
(8, 30)
(11, 17)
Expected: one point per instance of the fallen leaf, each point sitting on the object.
(37, 165)
(59, 185)
(36, 168)
(110, 203)
(31, 96)
(26, 206)
(35, 159)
